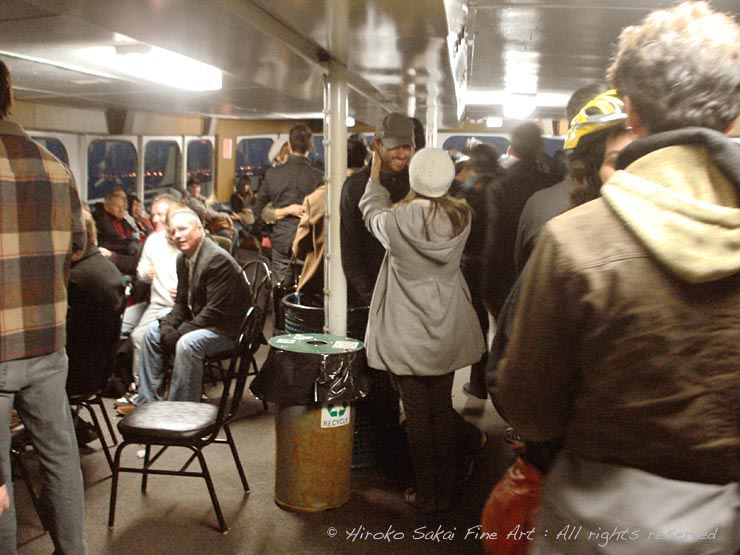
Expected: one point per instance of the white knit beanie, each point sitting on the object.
(431, 172)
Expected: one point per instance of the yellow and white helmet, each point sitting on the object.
(602, 112)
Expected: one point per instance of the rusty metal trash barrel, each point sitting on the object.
(313, 378)
(376, 416)
(313, 462)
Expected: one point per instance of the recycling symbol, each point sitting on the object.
(337, 410)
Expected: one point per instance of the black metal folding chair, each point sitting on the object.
(190, 425)
(258, 276)
(20, 440)
(87, 393)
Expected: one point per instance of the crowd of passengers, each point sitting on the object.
(613, 281)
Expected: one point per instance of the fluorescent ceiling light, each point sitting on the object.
(300, 115)
(519, 106)
(486, 97)
(520, 73)
(55, 63)
(155, 64)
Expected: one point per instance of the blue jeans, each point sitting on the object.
(152, 313)
(38, 386)
(187, 372)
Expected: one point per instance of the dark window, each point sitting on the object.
(460, 142)
(110, 164)
(251, 156)
(161, 168)
(553, 146)
(200, 164)
(317, 152)
(55, 146)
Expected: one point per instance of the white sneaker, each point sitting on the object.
(128, 399)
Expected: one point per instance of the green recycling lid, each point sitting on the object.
(315, 343)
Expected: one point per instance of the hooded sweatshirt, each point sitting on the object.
(679, 196)
(421, 319)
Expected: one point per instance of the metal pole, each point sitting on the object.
(335, 126)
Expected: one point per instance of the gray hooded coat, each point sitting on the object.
(421, 321)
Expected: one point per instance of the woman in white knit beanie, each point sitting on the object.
(422, 325)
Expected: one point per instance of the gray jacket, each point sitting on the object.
(421, 319)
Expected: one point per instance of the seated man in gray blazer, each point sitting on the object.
(212, 300)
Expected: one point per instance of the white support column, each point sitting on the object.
(431, 127)
(335, 135)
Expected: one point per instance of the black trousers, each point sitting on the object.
(431, 429)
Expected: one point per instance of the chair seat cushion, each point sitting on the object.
(160, 421)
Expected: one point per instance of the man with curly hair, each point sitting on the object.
(627, 337)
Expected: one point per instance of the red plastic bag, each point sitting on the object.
(509, 515)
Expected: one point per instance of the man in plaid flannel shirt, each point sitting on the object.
(41, 228)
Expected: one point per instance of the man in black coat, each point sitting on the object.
(362, 253)
(505, 201)
(286, 186)
(212, 300)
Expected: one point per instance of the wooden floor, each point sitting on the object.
(175, 515)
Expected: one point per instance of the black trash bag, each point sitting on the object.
(290, 378)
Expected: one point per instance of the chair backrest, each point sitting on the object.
(234, 380)
(259, 277)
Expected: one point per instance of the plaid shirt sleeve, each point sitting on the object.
(41, 226)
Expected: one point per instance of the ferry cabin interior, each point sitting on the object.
(146, 93)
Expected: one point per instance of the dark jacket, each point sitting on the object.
(541, 207)
(239, 202)
(474, 194)
(126, 249)
(627, 332)
(362, 254)
(96, 296)
(284, 185)
(219, 296)
(505, 200)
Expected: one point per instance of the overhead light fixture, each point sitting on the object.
(498, 97)
(351, 121)
(155, 64)
(494, 121)
(519, 106)
(520, 71)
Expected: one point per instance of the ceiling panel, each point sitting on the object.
(273, 52)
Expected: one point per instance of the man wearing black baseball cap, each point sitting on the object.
(362, 254)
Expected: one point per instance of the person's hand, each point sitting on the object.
(105, 252)
(173, 292)
(168, 340)
(375, 167)
(151, 271)
(295, 210)
(4, 499)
